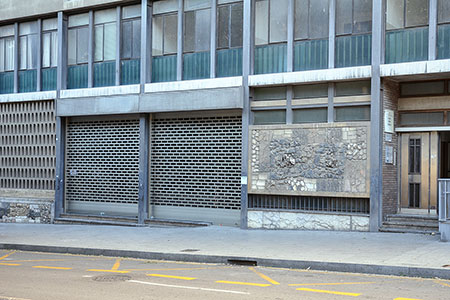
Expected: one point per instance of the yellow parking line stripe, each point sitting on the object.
(173, 269)
(264, 276)
(172, 276)
(442, 283)
(328, 292)
(243, 283)
(406, 299)
(5, 256)
(54, 268)
(8, 264)
(337, 283)
(35, 260)
(107, 271)
(116, 264)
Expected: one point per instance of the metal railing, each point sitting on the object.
(444, 199)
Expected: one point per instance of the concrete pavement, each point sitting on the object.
(360, 252)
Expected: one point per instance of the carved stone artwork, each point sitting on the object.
(317, 160)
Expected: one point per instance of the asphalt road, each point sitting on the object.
(38, 276)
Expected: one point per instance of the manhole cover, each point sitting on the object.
(190, 250)
(111, 278)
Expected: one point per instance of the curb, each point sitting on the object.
(266, 262)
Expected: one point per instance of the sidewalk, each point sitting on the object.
(376, 253)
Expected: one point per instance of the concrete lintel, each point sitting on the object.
(207, 99)
(185, 85)
(125, 104)
(35, 96)
(415, 68)
(352, 73)
(101, 91)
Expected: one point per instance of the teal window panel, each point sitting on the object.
(49, 79)
(77, 77)
(196, 65)
(270, 59)
(353, 50)
(6, 82)
(164, 68)
(443, 46)
(407, 45)
(229, 62)
(130, 71)
(311, 55)
(105, 73)
(27, 81)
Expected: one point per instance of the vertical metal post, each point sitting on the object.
(290, 38)
(331, 34)
(330, 102)
(16, 57)
(212, 51)
(289, 113)
(432, 30)
(118, 42)
(61, 81)
(146, 42)
(180, 41)
(143, 169)
(60, 158)
(39, 56)
(376, 108)
(91, 50)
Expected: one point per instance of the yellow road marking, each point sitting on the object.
(175, 269)
(107, 271)
(54, 268)
(442, 283)
(35, 260)
(406, 299)
(243, 283)
(12, 298)
(264, 276)
(338, 283)
(8, 264)
(5, 256)
(172, 276)
(117, 264)
(328, 292)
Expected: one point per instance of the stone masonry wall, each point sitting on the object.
(314, 159)
(390, 171)
(19, 211)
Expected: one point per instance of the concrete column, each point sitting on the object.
(143, 168)
(180, 41)
(289, 113)
(118, 42)
(62, 54)
(91, 50)
(331, 34)
(290, 37)
(60, 159)
(146, 43)
(212, 50)
(432, 30)
(16, 57)
(39, 56)
(330, 102)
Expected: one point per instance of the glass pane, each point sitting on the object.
(311, 115)
(267, 117)
(311, 91)
(170, 34)
(27, 28)
(105, 16)
(223, 26)
(79, 20)
(127, 36)
(353, 88)
(9, 54)
(261, 22)
(301, 19)
(352, 113)
(98, 43)
(132, 11)
(362, 16)
(416, 12)
(50, 24)
(237, 20)
(32, 52)
(394, 14)
(275, 93)
(443, 11)
(157, 36)
(2, 55)
(72, 47)
(428, 118)
(196, 4)
(343, 16)
(422, 88)
(23, 53)
(54, 49)
(165, 6)
(318, 19)
(202, 30)
(189, 31)
(136, 39)
(6, 30)
(110, 41)
(278, 20)
(82, 45)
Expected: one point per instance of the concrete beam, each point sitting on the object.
(108, 105)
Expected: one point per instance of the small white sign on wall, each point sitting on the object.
(389, 120)
(389, 155)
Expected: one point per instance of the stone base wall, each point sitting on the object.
(306, 221)
(26, 211)
(444, 229)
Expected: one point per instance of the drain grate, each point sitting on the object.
(242, 262)
(111, 278)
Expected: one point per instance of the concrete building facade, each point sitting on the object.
(281, 114)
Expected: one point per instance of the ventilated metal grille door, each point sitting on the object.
(102, 167)
(196, 163)
(27, 145)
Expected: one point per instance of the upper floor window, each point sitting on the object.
(131, 32)
(7, 48)
(406, 13)
(443, 11)
(28, 45)
(271, 21)
(49, 43)
(353, 16)
(229, 25)
(164, 28)
(311, 19)
(197, 25)
(105, 35)
(78, 36)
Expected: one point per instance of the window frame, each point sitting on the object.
(4, 38)
(77, 29)
(230, 27)
(164, 16)
(50, 32)
(28, 38)
(131, 21)
(309, 38)
(403, 27)
(102, 26)
(352, 21)
(195, 11)
(269, 42)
